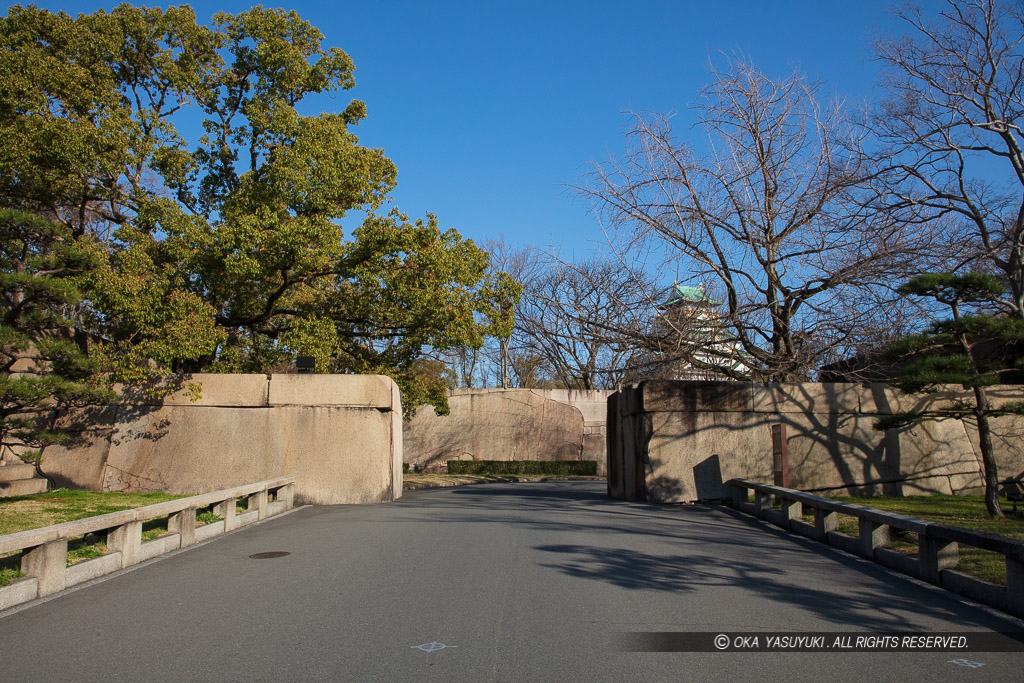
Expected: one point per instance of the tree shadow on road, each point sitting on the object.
(697, 548)
(874, 601)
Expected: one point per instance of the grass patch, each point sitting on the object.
(85, 548)
(207, 518)
(9, 576)
(21, 513)
(963, 511)
(586, 468)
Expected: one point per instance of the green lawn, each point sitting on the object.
(962, 511)
(20, 513)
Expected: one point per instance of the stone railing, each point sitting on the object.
(45, 551)
(938, 544)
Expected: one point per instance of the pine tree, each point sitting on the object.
(949, 353)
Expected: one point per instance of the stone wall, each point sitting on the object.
(678, 442)
(340, 436)
(510, 424)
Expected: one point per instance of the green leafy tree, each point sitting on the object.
(42, 364)
(949, 353)
(224, 251)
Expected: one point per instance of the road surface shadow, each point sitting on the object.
(731, 550)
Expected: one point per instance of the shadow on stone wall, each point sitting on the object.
(685, 429)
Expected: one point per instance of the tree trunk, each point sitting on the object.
(988, 460)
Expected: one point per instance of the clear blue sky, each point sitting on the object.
(489, 109)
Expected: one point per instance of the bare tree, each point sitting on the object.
(584, 320)
(522, 265)
(952, 132)
(767, 214)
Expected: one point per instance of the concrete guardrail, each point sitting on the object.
(938, 544)
(45, 550)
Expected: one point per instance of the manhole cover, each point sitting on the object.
(269, 555)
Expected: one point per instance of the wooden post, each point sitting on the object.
(780, 456)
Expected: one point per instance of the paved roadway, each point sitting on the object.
(525, 582)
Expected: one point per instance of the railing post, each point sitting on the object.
(792, 509)
(287, 494)
(824, 522)
(872, 535)
(226, 509)
(739, 496)
(47, 563)
(780, 456)
(127, 540)
(184, 524)
(935, 554)
(1015, 586)
(762, 503)
(258, 502)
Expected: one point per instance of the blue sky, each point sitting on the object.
(491, 109)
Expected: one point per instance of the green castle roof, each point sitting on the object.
(681, 294)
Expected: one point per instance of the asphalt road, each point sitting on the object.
(520, 582)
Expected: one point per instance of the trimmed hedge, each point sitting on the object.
(554, 467)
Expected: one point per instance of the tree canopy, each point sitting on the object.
(949, 352)
(952, 147)
(767, 213)
(174, 164)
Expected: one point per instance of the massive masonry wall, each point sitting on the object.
(340, 436)
(510, 424)
(675, 441)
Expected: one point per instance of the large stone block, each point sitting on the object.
(337, 454)
(941, 447)
(495, 425)
(183, 449)
(591, 402)
(86, 418)
(691, 455)
(836, 450)
(629, 400)
(342, 454)
(882, 399)
(594, 449)
(397, 421)
(923, 487)
(223, 390)
(634, 438)
(613, 448)
(1007, 442)
(967, 484)
(806, 397)
(15, 471)
(79, 463)
(686, 396)
(22, 487)
(365, 391)
(214, 390)
(832, 442)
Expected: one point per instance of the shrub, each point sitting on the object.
(552, 467)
